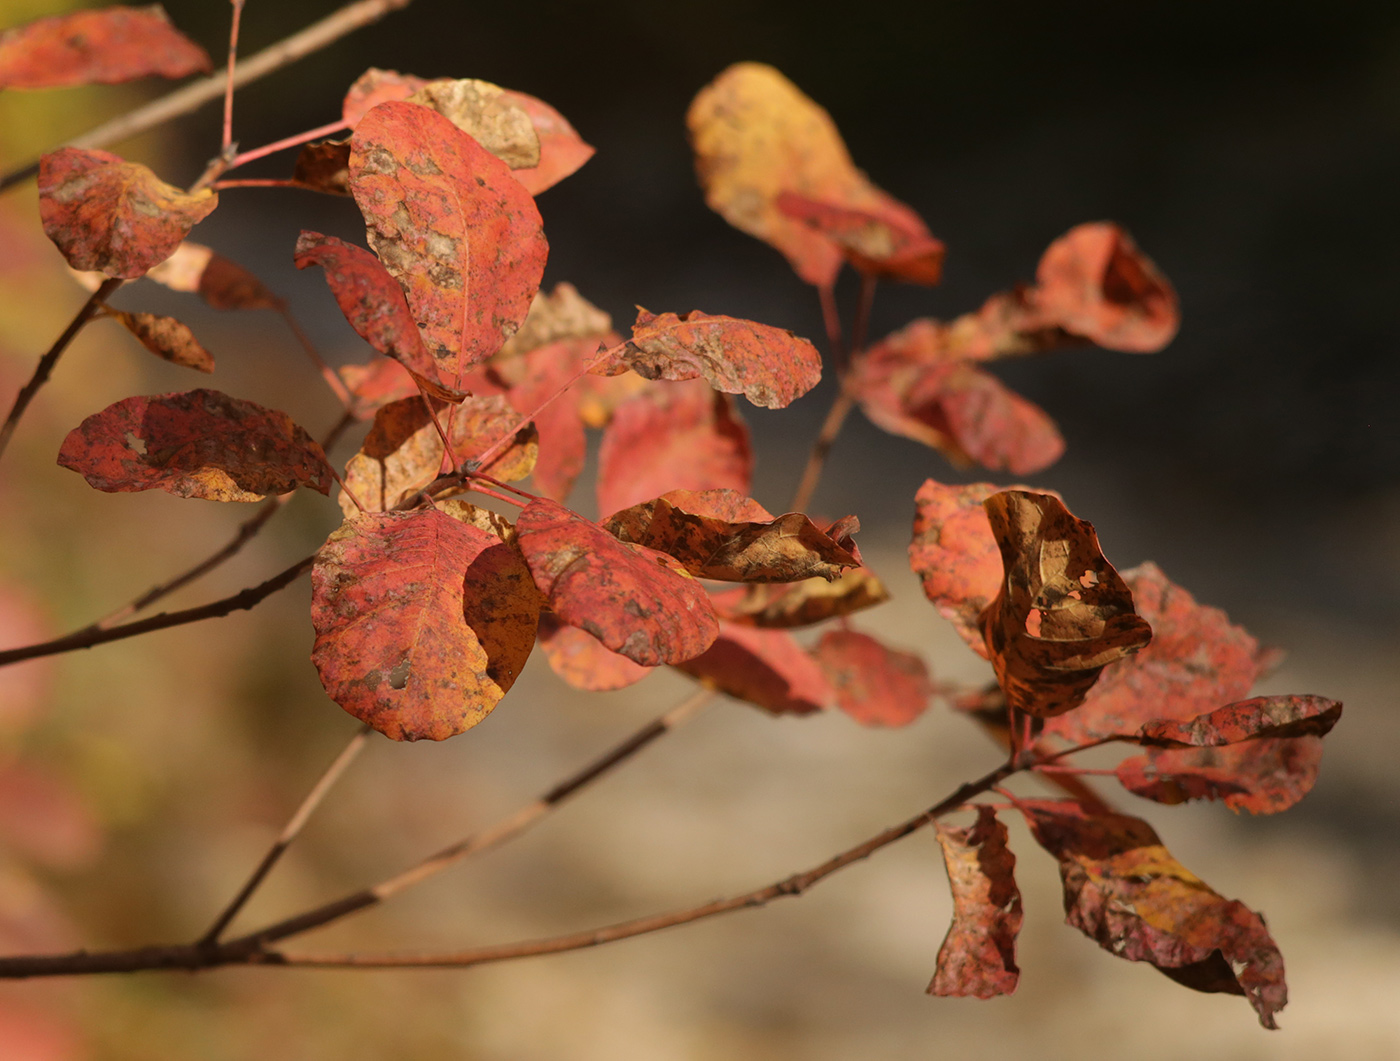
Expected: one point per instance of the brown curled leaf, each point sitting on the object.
(1063, 613)
(1126, 892)
(636, 601)
(769, 366)
(781, 607)
(978, 956)
(167, 338)
(767, 668)
(580, 659)
(199, 443)
(726, 542)
(890, 243)
(104, 47)
(113, 216)
(875, 684)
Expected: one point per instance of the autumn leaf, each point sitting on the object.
(324, 167)
(580, 659)
(563, 314)
(200, 443)
(680, 436)
(562, 150)
(167, 338)
(195, 269)
(1262, 717)
(978, 956)
(636, 601)
(104, 47)
(449, 222)
(767, 668)
(875, 685)
(1126, 892)
(1262, 776)
(1063, 613)
(769, 366)
(113, 216)
(892, 243)
(373, 302)
(376, 86)
(422, 621)
(756, 136)
(490, 117)
(796, 604)
(687, 526)
(377, 384)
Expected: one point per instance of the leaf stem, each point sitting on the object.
(821, 447)
(289, 141)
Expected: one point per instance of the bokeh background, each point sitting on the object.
(1252, 149)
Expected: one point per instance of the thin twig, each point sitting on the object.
(485, 456)
(288, 141)
(816, 459)
(289, 833)
(257, 182)
(47, 362)
(328, 374)
(831, 318)
(861, 328)
(192, 96)
(232, 64)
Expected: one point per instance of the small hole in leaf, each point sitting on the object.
(135, 442)
(398, 677)
(1033, 622)
(1089, 580)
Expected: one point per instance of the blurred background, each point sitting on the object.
(1252, 149)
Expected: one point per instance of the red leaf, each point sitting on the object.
(199, 443)
(167, 338)
(764, 667)
(581, 660)
(1063, 612)
(1126, 892)
(769, 366)
(376, 86)
(562, 150)
(422, 622)
(682, 436)
(978, 956)
(1262, 717)
(374, 304)
(1197, 660)
(377, 384)
(634, 600)
(114, 216)
(893, 243)
(103, 47)
(780, 607)
(484, 112)
(875, 685)
(449, 222)
(1262, 776)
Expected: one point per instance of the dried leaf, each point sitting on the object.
(1262, 776)
(756, 136)
(769, 366)
(103, 47)
(376, 86)
(1197, 660)
(449, 222)
(1259, 718)
(373, 302)
(681, 436)
(377, 384)
(802, 603)
(167, 338)
(114, 216)
(634, 600)
(580, 659)
(422, 621)
(681, 524)
(561, 314)
(886, 243)
(1063, 612)
(1126, 892)
(562, 150)
(199, 443)
(488, 115)
(764, 667)
(324, 167)
(225, 284)
(875, 685)
(978, 956)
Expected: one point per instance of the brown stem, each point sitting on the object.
(87, 638)
(192, 96)
(289, 833)
(816, 459)
(47, 362)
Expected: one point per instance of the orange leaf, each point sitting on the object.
(580, 659)
(875, 685)
(193, 268)
(769, 366)
(562, 150)
(114, 216)
(422, 621)
(801, 603)
(1063, 612)
(1262, 776)
(377, 384)
(978, 956)
(449, 222)
(1126, 892)
(376, 86)
(167, 338)
(374, 304)
(1262, 717)
(682, 436)
(893, 243)
(200, 443)
(103, 47)
(764, 667)
(634, 600)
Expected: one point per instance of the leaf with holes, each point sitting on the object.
(580, 659)
(767, 668)
(875, 685)
(199, 443)
(769, 366)
(636, 601)
(1126, 892)
(1263, 776)
(1063, 612)
(884, 242)
(978, 956)
(167, 338)
(103, 47)
(451, 224)
(813, 600)
(113, 216)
